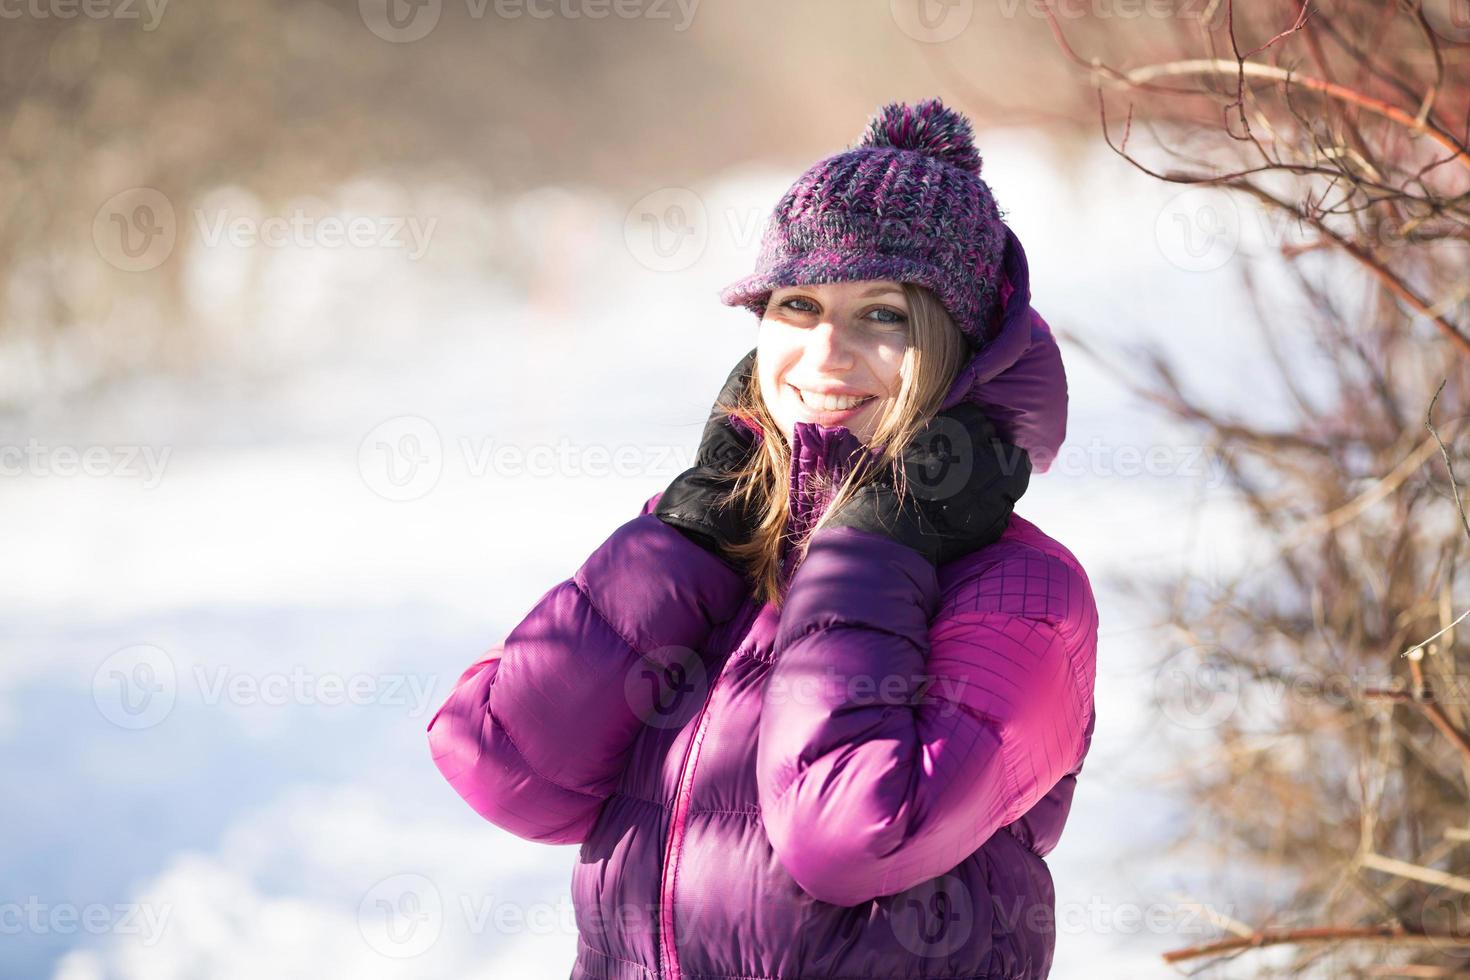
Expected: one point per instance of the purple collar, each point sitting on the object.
(817, 451)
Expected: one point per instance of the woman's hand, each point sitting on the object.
(697, 502)
(963, 483)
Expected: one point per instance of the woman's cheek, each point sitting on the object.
(887, 368)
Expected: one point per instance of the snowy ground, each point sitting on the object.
(217, 671)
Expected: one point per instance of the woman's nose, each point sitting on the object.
(827, 346)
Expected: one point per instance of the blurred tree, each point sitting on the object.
(1339, 756)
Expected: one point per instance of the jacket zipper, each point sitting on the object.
(679, 814)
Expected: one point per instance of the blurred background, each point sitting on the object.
(333, 334)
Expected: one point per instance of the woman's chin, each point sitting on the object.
(855, 424)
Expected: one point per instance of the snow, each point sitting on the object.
(391, 461)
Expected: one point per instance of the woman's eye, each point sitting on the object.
(890, 317)
(883, 315)
(798, 299)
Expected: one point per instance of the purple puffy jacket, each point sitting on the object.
(862, 784)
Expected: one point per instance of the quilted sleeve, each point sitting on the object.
(1040, 828)
(891, 749)
(535, 735)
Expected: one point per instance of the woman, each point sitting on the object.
(819, 709)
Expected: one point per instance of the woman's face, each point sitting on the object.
(830, 353)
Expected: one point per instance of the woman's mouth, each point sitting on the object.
(829, 409)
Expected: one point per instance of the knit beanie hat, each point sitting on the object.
(906, 203)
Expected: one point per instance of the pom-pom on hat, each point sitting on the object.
(905, 202)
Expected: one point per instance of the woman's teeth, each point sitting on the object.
(830, 403)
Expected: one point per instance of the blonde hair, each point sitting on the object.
(935, 354)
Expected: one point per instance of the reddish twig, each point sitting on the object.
(1317, 934)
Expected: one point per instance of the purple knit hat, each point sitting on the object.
(906, 203)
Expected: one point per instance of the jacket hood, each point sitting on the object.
(1017, 377)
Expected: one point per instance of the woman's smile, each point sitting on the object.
(826, 408)
(831, 399)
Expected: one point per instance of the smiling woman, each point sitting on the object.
(818, 710)
(837, 354)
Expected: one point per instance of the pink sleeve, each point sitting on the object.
(891, 749)
(535, 735)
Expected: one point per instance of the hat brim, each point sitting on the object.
(754, 291)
